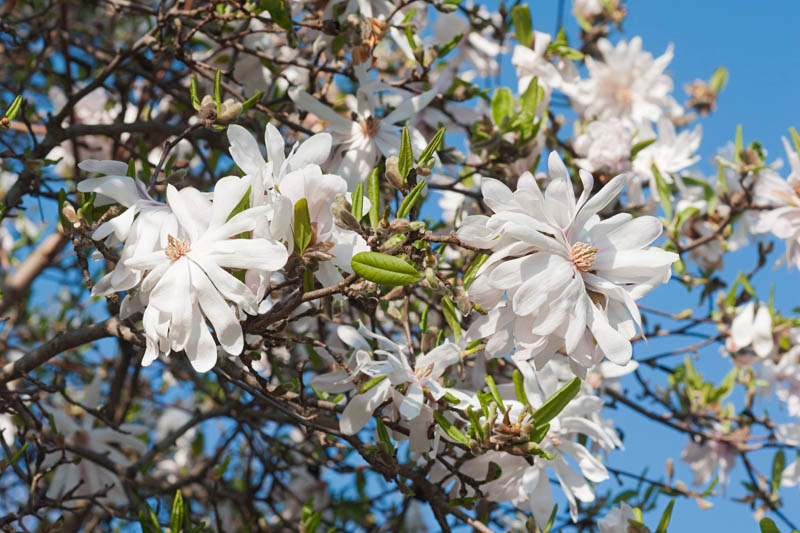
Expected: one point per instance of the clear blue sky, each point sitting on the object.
(758, 43)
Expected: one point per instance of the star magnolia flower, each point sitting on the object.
(392, 371)
(704, 459)
(531, 62)
(571, 279)
(670, 153)
(528, 486)
(784, 220)
(616, 521)
(751, 329)
(627, 83)
(320, 191)
(480, 49)
(140, 235)
(360, 141)
(784, 375)
(187, 282)
(605, 146)
(92, 477)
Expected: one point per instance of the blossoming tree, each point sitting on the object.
(415, 306)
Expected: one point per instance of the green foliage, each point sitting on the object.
(384, 269)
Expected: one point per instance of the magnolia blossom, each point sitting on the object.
(528, 486)
(172, 419)
(784, 375)
(670, 152)
(480, 49)
(784, 220)
(627, 83)
(384, 375)
(87, 477)
(531, 62)
(360, 139)
(186, 281)
(706, 457)
(751, 329)
(140, 235)
(571, 279)
(616, 521)
(605, 146)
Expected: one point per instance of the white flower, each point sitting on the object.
(751, 329)
(571, 278)
(784, 375)
(480, 49)
(187, 282)
(670, 153)
(616, 521)
(92, 477)
(605, 146)
(390, 372)
(784, 220)
(140, 235)
(171, 420)
(704, 459)
(531, 62)
(628, 83)
(360, 140)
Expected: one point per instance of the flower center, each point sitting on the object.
(176, 248)
(624, 95)
(422, 373)
(370, 126)
(583, 256)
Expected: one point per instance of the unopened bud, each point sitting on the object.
(229, 110)
(399, 225)
(429, 339)
(69, 213)
(462, 301)
(340, 209)
(670, 468)
(208, 108)
(430, 277)
(393, 172)
(424, 171)
(417, 225)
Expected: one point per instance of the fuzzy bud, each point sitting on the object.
(208, 108)
(229, 110)
(342, 216)
(393, 172)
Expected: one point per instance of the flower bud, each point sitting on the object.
(340, 209)
(229, 110)
(208, 108)
(399, 225)
(393, 172)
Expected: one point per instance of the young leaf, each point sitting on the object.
(447, 47)
(374, 195)
(405, 160)
(495, 393)
(432, 147)
(371, 383)
(148, 520)
(451, 316)
(557, 402)
(410, 200)
(448, 427)
(250, 102)
(523, 28)
(302, 225)
(384, 269)
(472, 270)
(278, 13)
(218, 89)
(177, 515)
(357, 206)
(738, 145)
(193, 93)
(519, 388)
(718, 79)
(665, 517)
(663, 192)
(641, 145)
(778, 464)
(502, 104)
(14, 108)
(768, 526)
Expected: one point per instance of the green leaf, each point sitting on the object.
(278, 13)
(532, 97)
(663, 192)
(371, 383)
(405, 159)
(495, 393)
(557, 402)
(795, 139)
(519, 388)
(502, 104)
(218, 89)
(778, 465)
(474, 267)
(383, 433)
(193, 93)
(523, 27)
(448, 47)
(18, 454)
(538, 433)
(475, 423)
(410, 38)
(243, 204)
(384, 269)
(448, 427)
(718, 79)
(665, 517)
(551, 520)
(738, 145)
(177, 516)
(250, 102)
(148, 520)
(374, 195)
(357, 206)
(641, 145)
(451, 316)
(302, 225)
(768, 526)
(14, 108)
(433, 146)
(410, 200)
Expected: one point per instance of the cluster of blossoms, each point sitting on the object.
(487, 337)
